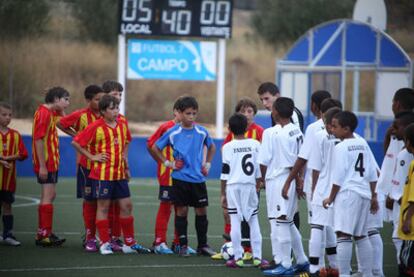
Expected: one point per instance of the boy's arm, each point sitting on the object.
(263, 170)
(210, 154)
(69, 131)
(328, 201)
(101, 157)
(374, 201)
(127, 171)
(153, 154)
(315, 177)
(223, 198)
(294, 173)
(409, 217)
(41, 158)
(175, 165)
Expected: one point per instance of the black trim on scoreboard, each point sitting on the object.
(195, 18)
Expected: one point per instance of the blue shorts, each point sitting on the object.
(52, 178)
(113, 190)
(82, 181)
(166, 194)
(6, 196)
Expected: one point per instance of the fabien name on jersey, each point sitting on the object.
(242, 150)
(356, 148)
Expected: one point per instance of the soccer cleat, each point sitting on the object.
(90, 245)
(49, 241)
(235, 264)
(106, 249)
(11, 240)
(206, 251)
(116, 244)
(176, 249)
(280, 270)
(259, 262)
(217, 256)
(191, 251)
(183, 252)
(271, 265)
(136, 248)
(308, 274)
(299, 268)
(162, 249)
(247, 256)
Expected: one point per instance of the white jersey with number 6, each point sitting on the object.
(354, 167)
(240, 162)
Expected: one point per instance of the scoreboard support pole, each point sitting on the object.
(121, 69)
(221, 77)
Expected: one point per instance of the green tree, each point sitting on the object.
(97, 19)
(20, 18)
(281, 21)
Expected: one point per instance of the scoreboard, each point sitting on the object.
(193, 18)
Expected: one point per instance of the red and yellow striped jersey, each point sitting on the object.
(254, 132)
(44, 127)
(99, 137)
(11, 144)
(163, 172)
(79, 120)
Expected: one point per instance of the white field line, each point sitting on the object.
(34, 201)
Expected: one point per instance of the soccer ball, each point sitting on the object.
(227, 251)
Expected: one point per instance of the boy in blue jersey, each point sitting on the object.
(187, 140)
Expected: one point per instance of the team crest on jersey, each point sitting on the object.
(402, 163)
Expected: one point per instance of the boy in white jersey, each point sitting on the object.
(399, 177)
(353, 193)
(240, 182)
(278, 152)
(321, 163)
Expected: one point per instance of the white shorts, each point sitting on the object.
(395, 219)
(277, 206)
(322, 216)
(242, 200)
(377, 220)
(351, 213)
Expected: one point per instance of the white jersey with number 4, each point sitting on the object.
(354, 166)
(240, 162)
(279, 149)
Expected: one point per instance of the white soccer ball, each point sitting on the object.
(227, 251)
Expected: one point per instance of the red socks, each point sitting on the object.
(89, 218)
(45, 213)
(161, 222)
(103, 229)
(227, 228)
(113, 217)
(127, 224)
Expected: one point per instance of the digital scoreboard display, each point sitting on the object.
(194, 18)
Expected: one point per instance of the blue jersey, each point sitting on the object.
(188, 145)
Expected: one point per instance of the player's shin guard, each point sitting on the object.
(127, 225)
(364, 250)
(315, 243)
(236, 236)
(161, 222)
(7, 225)
(89, 218)
(285, 241)
(181, 227)
(344, 252)
(297, 245)
(201, 225)
(255, 237)
(331, 247)
(103, 230)
(377, 251)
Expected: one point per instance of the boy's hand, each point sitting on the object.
(206, 169)
(5, 164)
(127, 173)
(43, 173)
(389, 202)
(174, 165)
(326, 203)
(223, 201)
(374, 205)
(285, 191)
(101, 157)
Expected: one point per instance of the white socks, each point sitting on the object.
(235, 234)
(255, 237)
(364, 249)
(344, 255)
(377, 252)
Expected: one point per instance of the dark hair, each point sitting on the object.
(106, 102)
(245, 102)
(284, 106)
(347, 119)
(111, 85)
(5, 105)
(330, 103)
(409, 134)
(318, 96)
(405, 96)
(268, 87)
(238, 124)
(55, 92)
(187, 102)
(91, 91)
(330, 113)
(405, 118)
(177, 103)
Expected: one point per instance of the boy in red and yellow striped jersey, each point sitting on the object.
(105, 143)
(248, 108)
(46, 159)
(11, 149)
(73, 124)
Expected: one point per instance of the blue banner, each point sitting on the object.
(172, 60)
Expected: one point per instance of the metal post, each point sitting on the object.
(121, 70)
(220, 88)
